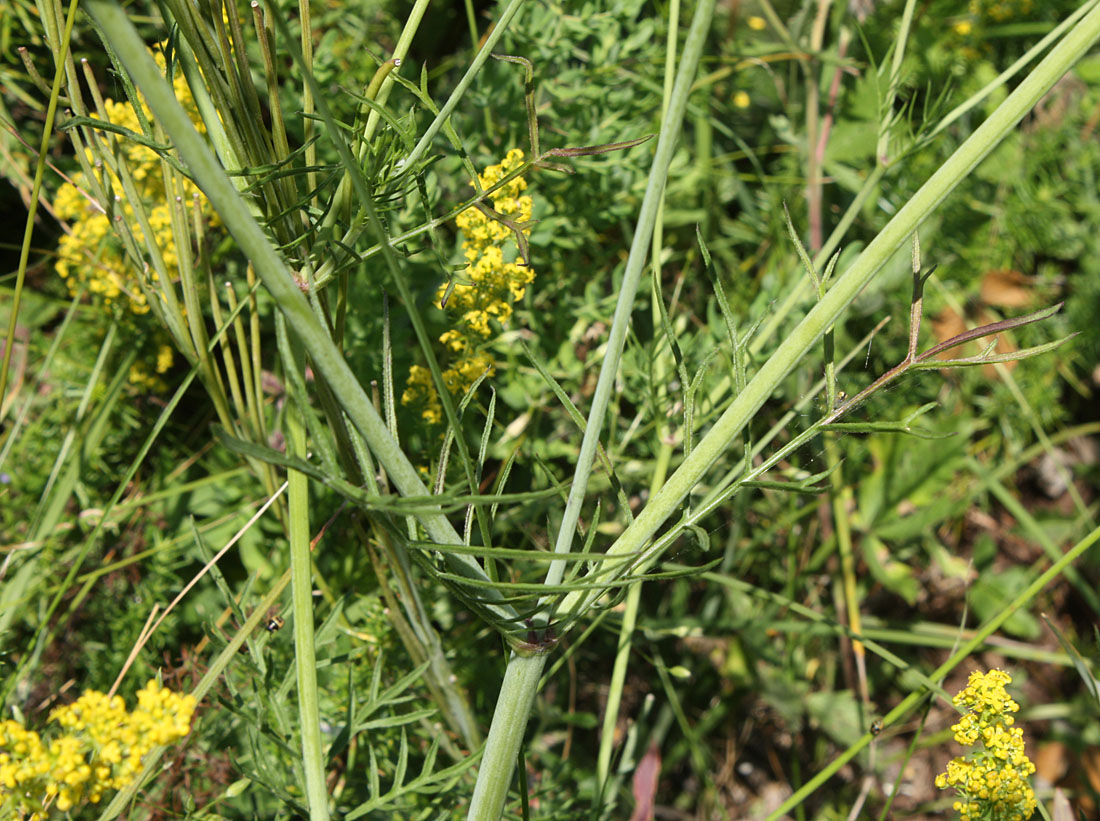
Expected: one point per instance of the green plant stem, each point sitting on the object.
(400, 281)
(517, 694)
(622, 650)
(624, 306)
(400, 51)
(797, 293)
(521, 678)
(813, 125)
(759, 340)
(660, 469)
(301, 597)
(615, 687)
(882, 150)
(464, 84)
(308, 102)
(36, 190)
(839, 501)
(800, 340)
(1002, 79)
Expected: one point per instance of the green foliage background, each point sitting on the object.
(742, 696)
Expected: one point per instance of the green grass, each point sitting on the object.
(716, 510)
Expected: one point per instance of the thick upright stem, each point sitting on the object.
(517, 694)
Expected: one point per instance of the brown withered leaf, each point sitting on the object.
(947, 325)
(1008, 289)
(1051, 762)
(589, 150)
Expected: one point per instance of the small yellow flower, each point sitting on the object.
(963, 28)
(994, 776)
(482, 295)
(420, 391)
(107, 249)
(757, 23)
(93, 252)
(164, 358)
(741, 99)
(100, 749)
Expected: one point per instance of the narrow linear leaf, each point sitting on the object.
(988, 359)
(885, 427)
(509, 553)
(589, 150)
(988, 330)
(398, 720)
(787, 487)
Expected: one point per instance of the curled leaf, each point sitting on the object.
(528, 96)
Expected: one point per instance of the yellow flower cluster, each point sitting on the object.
(487, 287)
(992, 11)
(100, 750)
(91, 252)
(148, 375)
(991, 781)
(1001, 10)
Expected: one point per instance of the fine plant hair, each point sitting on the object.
(308, 219)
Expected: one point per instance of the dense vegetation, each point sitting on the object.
(750, 316)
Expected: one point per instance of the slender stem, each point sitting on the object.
(359, 184)
(813, 122)
(464, 84)
(660, 469)
(1002, 79)
(517, 694)
(882, 150)
(620, 324)
(795, 295)
(36, 189)
(301, 590)
(818, 150)
(521, 679)
(400, 51)
(615, 686)
(307, 94)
